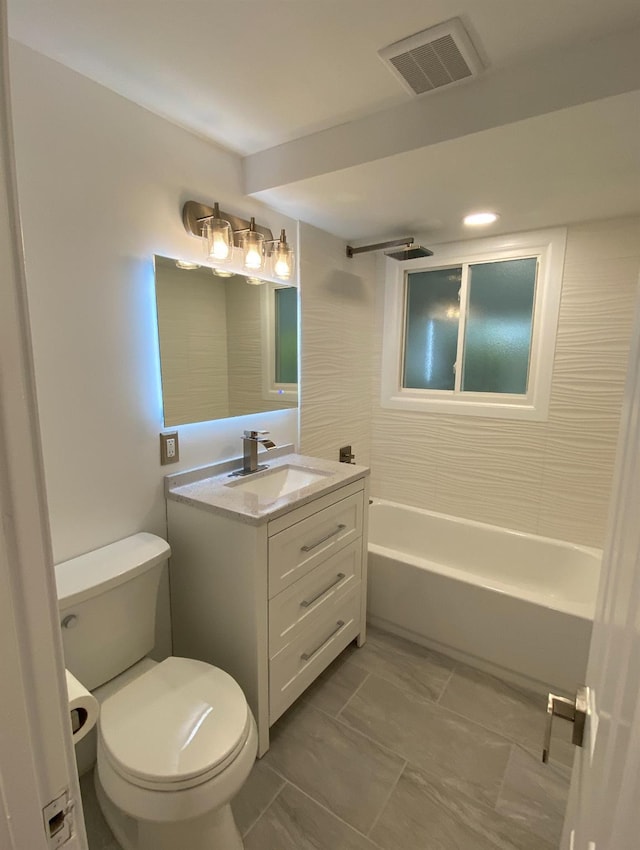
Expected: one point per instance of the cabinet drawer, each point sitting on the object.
(301, 661)
(298, 549)
(306, 599)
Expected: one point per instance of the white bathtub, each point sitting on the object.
(515, 604)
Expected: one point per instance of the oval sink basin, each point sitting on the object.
(278, 482)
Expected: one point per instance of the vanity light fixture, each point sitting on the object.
(253, 246)
(223, 232)
(480, 218)
(219, 235)
(283, 258)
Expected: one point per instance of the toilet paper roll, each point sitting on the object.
(83, 708)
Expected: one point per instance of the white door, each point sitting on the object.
(36, 753)
(604, 801)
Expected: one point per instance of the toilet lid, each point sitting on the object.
(177, 722)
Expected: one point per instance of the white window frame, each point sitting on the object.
(271, 390)
(548, 247)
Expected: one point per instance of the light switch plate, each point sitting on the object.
(169, 448)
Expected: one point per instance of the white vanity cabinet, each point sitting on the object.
(271, 603)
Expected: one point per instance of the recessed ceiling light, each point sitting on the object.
(222, 273)
(480, 218)
(185, 264)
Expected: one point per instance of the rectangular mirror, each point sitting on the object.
(227, 347)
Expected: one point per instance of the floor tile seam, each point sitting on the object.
(386, 801)
(559, 765)
(450, 662)
(271, 801)
(510, 742)
(502, 781)
(340, 710)
(483, 804)
(505, 738)
(404, 688)
(324, 807)
(385, 747)
(431, 702)
(535, 752)
(446, 685)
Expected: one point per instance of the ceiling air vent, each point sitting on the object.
(433, 58)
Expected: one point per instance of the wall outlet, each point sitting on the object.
(169, 448)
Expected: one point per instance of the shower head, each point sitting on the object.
(411, 252)
(406, 250)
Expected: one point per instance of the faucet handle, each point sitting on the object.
(252, 435)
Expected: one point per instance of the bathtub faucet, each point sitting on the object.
(250, 442)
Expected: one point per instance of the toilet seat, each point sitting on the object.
(175, 727)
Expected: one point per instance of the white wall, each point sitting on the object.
(102, 183)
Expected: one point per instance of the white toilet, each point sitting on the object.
(176, 739)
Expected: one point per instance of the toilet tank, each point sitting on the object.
(107, 602)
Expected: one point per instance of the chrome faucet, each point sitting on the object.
(250, 441)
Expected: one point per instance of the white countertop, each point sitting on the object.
(212, 493)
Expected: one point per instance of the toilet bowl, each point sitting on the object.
(176, 739)
(175, 745)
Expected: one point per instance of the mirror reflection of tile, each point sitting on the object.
(227, 347)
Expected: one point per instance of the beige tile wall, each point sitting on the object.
(337, 311)
(244, 328)
(191, 306)
(552, 478)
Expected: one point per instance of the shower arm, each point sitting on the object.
(380, 246)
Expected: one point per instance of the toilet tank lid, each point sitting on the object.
(97, 571)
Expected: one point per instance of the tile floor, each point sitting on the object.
(399, 747)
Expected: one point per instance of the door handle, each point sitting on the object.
(574, 710)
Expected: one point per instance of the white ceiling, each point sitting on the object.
(253, 76)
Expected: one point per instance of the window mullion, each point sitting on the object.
(462, 322)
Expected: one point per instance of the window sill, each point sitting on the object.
(518, 408)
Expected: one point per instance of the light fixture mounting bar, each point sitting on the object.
(380, 246)
(193, 213)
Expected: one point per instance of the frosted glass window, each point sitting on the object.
(498, 327)
(286, 302)
(472, 329)
(431, 331)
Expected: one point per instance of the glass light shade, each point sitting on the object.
(219, 240)
(282, 258)
(283, 262)
(253, 250)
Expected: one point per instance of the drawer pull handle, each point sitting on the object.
(306, 602)
(307, 655)
(310, 546)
